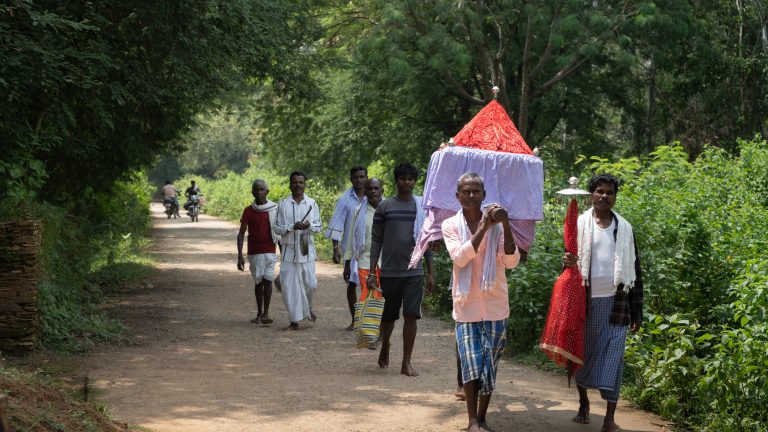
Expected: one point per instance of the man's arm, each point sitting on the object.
(336, 225)
(316, 224)
(636, 295)
(240, 238)
(377, 237)
(281, 224)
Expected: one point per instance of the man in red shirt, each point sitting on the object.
(259, 218)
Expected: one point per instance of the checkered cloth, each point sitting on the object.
(481, 345)
(603, 351)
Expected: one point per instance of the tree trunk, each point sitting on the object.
(651, 104)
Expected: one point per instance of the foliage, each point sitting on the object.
(218, 144)
(83, 256)
(113, 84)
(701, 232)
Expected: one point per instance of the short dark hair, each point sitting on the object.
(407, 170)
(297, 173)
(193, 182)
(167, 182)
(357, 168)
(603, 178)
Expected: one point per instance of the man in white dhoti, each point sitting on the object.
(298, 217)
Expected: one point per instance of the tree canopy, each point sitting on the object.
(92, 90)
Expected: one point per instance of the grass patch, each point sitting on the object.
(38, 404)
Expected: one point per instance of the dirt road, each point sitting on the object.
(199, 365)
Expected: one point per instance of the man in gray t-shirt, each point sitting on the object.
(392, 239)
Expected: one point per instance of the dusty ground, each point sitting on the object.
(199, 365)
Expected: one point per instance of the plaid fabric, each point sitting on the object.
(603, 367)
(481, 345)
(628, 306)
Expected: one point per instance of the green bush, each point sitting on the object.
(700, 359)
(96, 245)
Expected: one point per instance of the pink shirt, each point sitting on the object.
(491, 306)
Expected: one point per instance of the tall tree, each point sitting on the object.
(94, 89)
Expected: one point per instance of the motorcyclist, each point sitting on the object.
(192, 190)
(169, 194)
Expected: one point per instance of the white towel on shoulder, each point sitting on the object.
(624, 259)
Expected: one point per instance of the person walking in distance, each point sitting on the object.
(397, 224)
(258, 219)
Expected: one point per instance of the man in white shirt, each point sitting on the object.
(339, 227)
(297, 218)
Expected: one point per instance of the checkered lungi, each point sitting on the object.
(603, 351)
(481, 345)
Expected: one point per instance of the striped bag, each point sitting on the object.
(367, 321)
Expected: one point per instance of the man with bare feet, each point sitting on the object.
(258, 219)
(338, 230)
(359, 237)
(297, 218)
(610, 265)
(397, 224)
(481, 245)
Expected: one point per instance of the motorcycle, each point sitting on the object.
(193, 207)
(171, 208)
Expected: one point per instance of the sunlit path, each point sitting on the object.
(199, 365)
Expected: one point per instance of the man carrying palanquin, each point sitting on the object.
(481, 245)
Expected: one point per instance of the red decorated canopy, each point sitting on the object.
(492, 129)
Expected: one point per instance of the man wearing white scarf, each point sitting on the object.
(481, 245)
(259, 219)
(338, 229)
(357, 255)
(610, 266)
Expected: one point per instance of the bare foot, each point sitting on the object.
(484, 427)
(312, 316)
(474, 426)
(459, 393)
(583, 415)
(266, 319)
(384, 356)
(407, 370)
(292, 326)
(610, 427)
(350, 327)
(256, 320)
